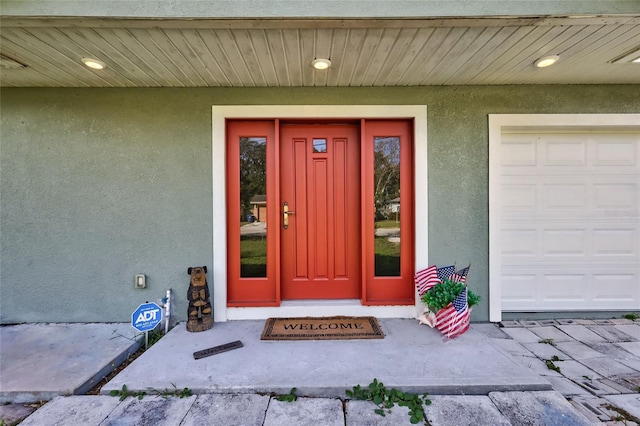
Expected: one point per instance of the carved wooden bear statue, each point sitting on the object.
(199, 312)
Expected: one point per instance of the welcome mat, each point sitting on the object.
(322, 328)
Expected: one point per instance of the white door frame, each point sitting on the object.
(218, 170)
(497, 124)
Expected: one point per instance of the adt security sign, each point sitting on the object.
(146, 317)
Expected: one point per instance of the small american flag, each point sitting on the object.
(427, 278)
(454, 319)
(461, 275)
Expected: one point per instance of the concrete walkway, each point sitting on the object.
(596, 378)
(41, 361)
(411, 357)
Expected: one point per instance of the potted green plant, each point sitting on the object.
(440, 295)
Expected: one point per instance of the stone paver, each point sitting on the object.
(581, 333)
(73, 411)
(361, 413)
(619, 384)
(593, 408)
(566, 387)
(463, 410)
(632, 330)
(577, 350)
(537, 408)
(537, 366)
(545, 351)
(552, 333)
(631, 347)
(596, 386)
(610, 333)
(621, 321)
(305, 412)
(150, 411)
(11, 414)
(632, 363)
(574, 369)
(607, 367)
(612, 350)
(584, 322)
(629, 403)
(634, 381)
(522, 335)
(228, 410)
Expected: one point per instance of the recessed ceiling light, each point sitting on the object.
(636, 61)
(321, 63)
(547, 61)
(94, 63)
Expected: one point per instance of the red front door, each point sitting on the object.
(333, 227)
(320, 211)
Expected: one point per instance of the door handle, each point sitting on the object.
(285, 215)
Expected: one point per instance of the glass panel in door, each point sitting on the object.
(386, 171)
(253, 207)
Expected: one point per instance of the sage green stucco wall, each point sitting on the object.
(100, 184)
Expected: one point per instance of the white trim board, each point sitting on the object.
(501, 123)
(219, 270)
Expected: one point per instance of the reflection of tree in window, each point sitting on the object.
(386, 174)
(253, 171)
(386, 177)
(253, 185)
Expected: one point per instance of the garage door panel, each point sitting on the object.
(564, 288)
(520, 150)
(615, 195)
(569, 221)
(520, 289)
(564, 151)
(521, 197)
(618, 288)
(564, 242)
(620, 242)
(520, 242)
(620, 150)
(564, 196)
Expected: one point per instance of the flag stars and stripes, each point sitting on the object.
(446, 272)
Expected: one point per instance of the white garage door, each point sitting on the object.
(569, 218)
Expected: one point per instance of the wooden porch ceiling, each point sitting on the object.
(47, 52)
